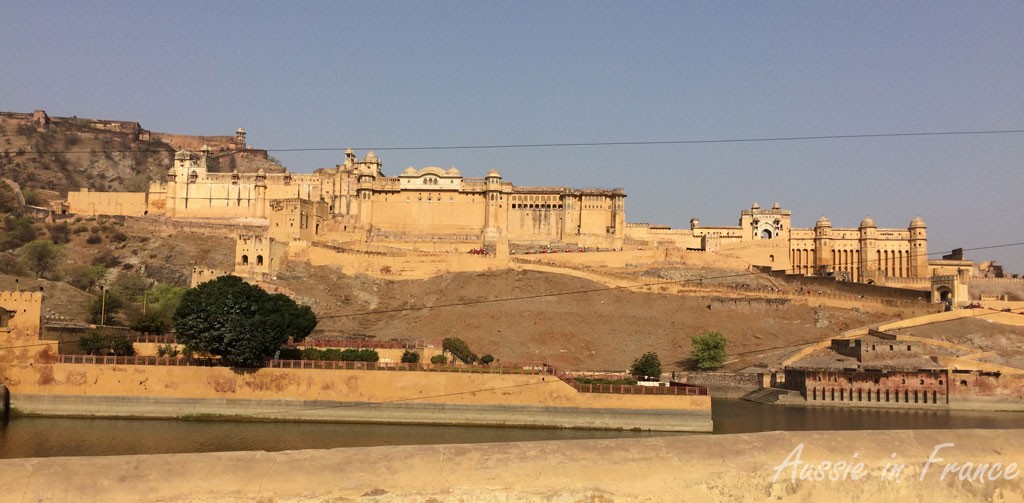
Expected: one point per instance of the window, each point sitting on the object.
(245, 260)
(259, 259)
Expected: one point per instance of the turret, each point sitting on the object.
(918, 248)
(261, 193)
(868, 264)
(823, 246)
(492, 224)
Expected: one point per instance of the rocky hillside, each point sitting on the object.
(66, 154)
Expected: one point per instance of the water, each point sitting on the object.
(43, 437)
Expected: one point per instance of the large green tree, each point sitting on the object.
(709, 350)
(239, 322)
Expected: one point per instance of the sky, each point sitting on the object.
(396, 74)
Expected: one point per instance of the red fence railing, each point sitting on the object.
(624, 389)
(630, 389)
(139, 360)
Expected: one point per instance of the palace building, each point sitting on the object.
(356, 198)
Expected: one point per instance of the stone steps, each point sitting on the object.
(773, 395)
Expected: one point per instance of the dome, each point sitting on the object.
(260, 172)
(776, 206)
(371, 157)
(348, 151)
(409, 171)
(916, 222)
(240, 131)
(453, 171)
(493, 173)
(867, 222)
(823, 222)
(755, 206)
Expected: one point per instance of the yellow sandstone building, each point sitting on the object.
(357, 199)
(355, 202)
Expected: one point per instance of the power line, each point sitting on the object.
(762, 139)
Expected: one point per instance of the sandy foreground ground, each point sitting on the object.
(938, 465)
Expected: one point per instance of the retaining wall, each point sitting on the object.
(440, 398)
(749, 380)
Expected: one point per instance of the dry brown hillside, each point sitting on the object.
(603, 330)
(71, 153)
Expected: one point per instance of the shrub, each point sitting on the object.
(94, 239)
(105, 258)
(647, 366)
(119, 236)
(486, 359)
(41, 256)
(709, 350)
(459, 349)
(438, 360)
(121, 346)
(10, 263)
(59, 232)
(410, 357)
(152, 323)
(92, 343)
(86, 277)
(169, 350)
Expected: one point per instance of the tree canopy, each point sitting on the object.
(239, 322)
(647, 366)
(709, 350)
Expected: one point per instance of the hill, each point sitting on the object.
(64, 154)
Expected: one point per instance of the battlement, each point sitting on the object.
(20, 297)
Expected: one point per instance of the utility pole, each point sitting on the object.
(103, 305)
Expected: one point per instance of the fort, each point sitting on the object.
(354, 215)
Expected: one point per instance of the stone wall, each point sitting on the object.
(1012, 288)
(713, 379)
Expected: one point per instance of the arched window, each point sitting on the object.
(259, 259)
(245, 260)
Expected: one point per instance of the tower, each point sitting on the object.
(823, 263)
(868, 266)
(918, 248)
(492, 202)
(261, 194)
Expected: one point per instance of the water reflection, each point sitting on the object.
(41, 437)
(738, 416)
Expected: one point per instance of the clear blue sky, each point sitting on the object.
(400, 74)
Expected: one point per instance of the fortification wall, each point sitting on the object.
(85, 202)
(1012, 288)
(850, 288)
(191, 142)
(221, 229)
(407, 267)
(27, 312)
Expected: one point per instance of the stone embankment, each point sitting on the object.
(934, 466)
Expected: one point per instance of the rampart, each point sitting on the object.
(221, 229)
(1011, 288)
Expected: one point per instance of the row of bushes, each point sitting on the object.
(331, 355)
